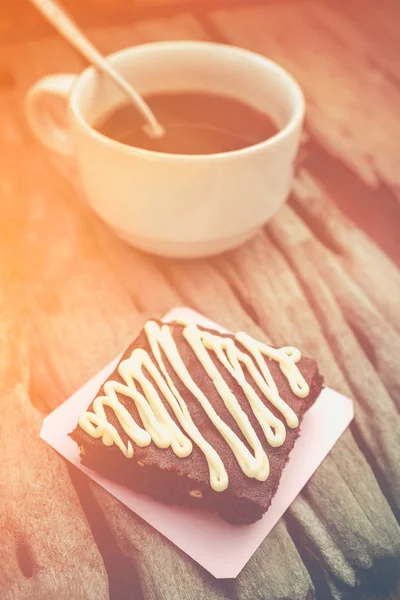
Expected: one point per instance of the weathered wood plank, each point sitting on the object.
(379, 425)
(37, 558)
(352, 247)
(347, 155)
(340, 112)
(375, 209)
(280, 305)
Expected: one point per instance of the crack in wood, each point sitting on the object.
(25, 559)
(309, 558)
(124, 582)
(237, 289)
(370, 457)
(375, 210)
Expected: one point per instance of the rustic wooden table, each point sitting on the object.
(322, 275)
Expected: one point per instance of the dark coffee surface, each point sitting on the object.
(194, 122)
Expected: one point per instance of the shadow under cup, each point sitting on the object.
(187, 205)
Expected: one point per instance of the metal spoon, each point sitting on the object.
(64, 25)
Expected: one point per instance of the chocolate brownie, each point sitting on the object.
(159, 472)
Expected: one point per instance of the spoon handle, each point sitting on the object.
(69, 30)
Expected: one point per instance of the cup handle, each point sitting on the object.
(42, 109)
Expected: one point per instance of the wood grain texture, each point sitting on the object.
(307, 38)
(75, 295)
(286, 303)
(352, 96)
(20, 21)
(34, 543)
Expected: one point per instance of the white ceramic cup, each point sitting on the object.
(171, 204)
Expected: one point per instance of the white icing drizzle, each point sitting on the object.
(161, 428)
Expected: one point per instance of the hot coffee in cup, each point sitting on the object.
(233, 121)
(195, 122)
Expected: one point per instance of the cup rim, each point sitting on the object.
(282, 133)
